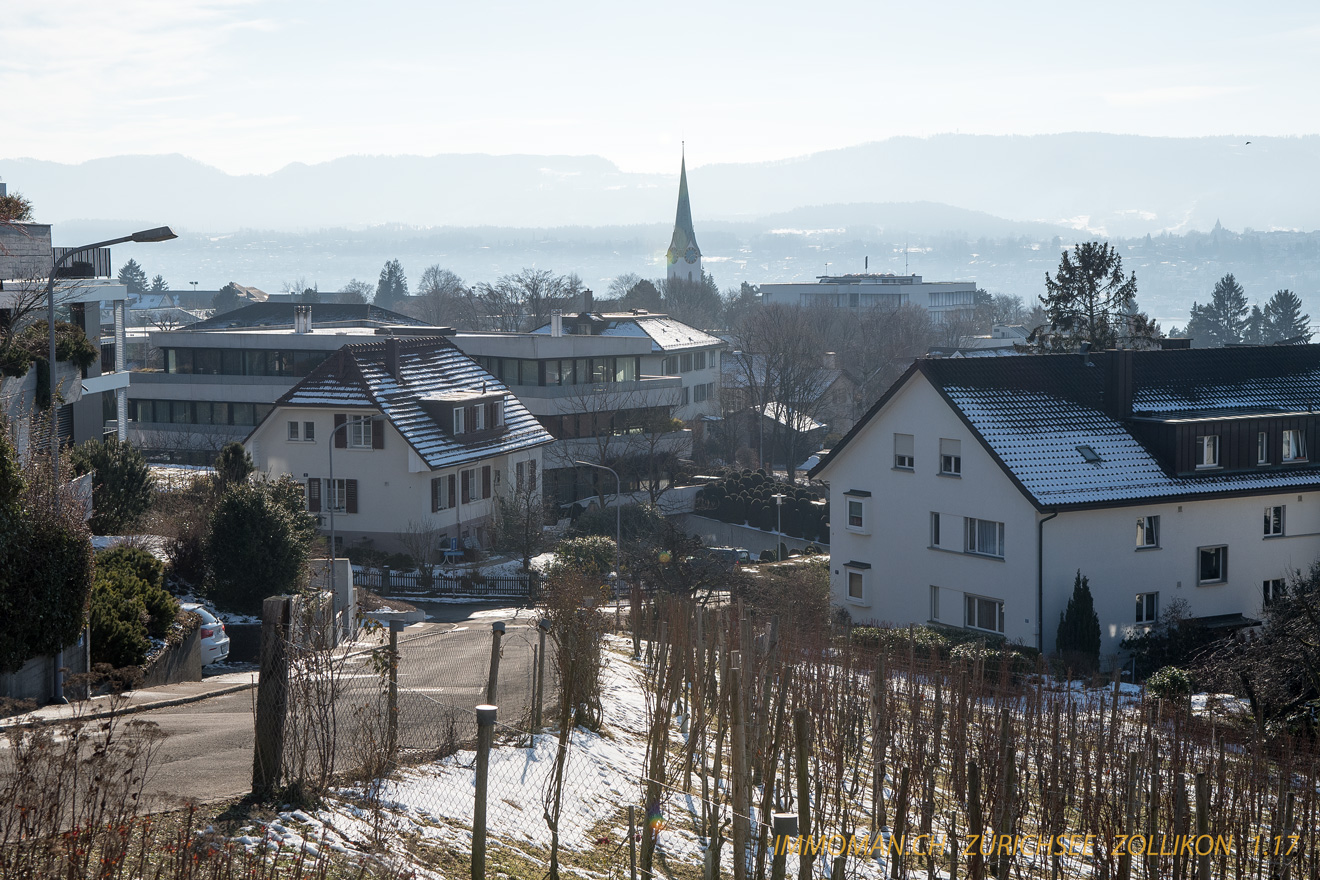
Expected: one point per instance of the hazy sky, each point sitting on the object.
(252, 86)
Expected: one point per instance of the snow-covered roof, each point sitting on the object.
(665, 333)
(786, 416)
(1033, 412)
(430, 369)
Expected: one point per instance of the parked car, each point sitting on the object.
(732, 556)
(215, 641)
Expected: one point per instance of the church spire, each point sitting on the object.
(684, 256)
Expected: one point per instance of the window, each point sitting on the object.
(1274, 521)
(1207, 451)
(1262, 448)
(985, 537)
(686, 395)
(699, 360)
(1294, 446)
(359, 432)
(1148, 532)
(700, 392)
(293, 430)
(855, 586)
(458, 420)
(1212, 565)
(935, 530)
(669, 367)
(1148, 607)
(856, 515)
(442, 493)
(309, 431)
(934, 602)
(524, 476)
(950, 457)
(903, 451)
(1274, 589)
(341, 496)
(982, 613)
(686, 363)
(476, 484)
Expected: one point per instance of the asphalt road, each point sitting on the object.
(206, 752)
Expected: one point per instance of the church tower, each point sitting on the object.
(683, 257)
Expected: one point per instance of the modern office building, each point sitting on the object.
(945, 300)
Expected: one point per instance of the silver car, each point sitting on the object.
(215, 641)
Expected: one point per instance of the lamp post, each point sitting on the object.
(160, 233)
(618, 516)
(779, 525)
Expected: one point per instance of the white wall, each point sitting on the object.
(896, 538)
(394, 485)
(1102, 544)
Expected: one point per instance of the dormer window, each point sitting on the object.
(1207, 451)
(459, 423)
(1262, 448)
(1294, 446)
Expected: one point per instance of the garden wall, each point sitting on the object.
(721, 534)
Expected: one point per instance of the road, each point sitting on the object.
(206, 753)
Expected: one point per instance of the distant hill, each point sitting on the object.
(1110, 184)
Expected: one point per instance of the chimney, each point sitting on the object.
(587, 303)
(1119, 383)
(831, 360)
(302, 319)
(392, 357)
(3, 189)
(556, 323)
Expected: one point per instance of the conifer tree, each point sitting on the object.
(1284, 318)
(1077, 640)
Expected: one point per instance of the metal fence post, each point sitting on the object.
(632, 841)
(485, 737)
(538, 703)
(272, 696)
(396, 626)
(785, 829)
(496, 633)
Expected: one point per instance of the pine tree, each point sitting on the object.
(1284, 318)
(134, 278)
(159, 284)
(392, 286)
(1086, 296)
(1223, 320)
(1077, 640)
(1257, 331)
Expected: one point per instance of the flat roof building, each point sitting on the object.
(946, 301)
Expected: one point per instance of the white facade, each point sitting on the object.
(394, 487)
(908, 574)
(945, 300)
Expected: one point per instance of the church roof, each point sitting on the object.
(684, 235)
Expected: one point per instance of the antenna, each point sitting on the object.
(905, 253)
(866, 267)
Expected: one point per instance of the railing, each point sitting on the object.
(447, 585)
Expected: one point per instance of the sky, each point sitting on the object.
(250, 87)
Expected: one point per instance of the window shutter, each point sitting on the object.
(314, 495)
(485, 482)
(531, 475)
(435, 494)
(377, 433)
(490, 415)
(467, 486)
(452, 479)
(350, 496)
(341, 433)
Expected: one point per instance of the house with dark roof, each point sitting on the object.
(419, 438)
(973, 491)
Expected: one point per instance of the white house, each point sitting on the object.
(973, 491)
(419, 435)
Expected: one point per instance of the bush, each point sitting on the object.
(1077, 640)
(119, 619)
(258, 544)
(122, 484)
(635, 521)
(1170, 683)
(592, 555)
(996, 659)
(233, 465)
(923, 639)
(147, 576)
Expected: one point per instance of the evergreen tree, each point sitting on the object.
(159, 284)
(1223, 320)
(226, 299)
(1077, 640)
(134, 278)
(122, 484)
(233, 465)
(257, 544)
(1257, 331)
(1284, 318)
(392, 286)
(1086, 297)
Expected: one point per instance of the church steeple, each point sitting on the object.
(684, 256)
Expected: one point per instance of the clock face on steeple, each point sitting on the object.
(691, 255)
(672, 256)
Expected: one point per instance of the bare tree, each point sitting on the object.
(359, 292)
(519, 525)
(444, 300)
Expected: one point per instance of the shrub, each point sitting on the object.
(258, 544)
(119, 619)
(593, 555)
(922, 638)
(146, 575)
(1078, 638)
(122, 484)
(233, 465)
(1170, 683)
(635, 521)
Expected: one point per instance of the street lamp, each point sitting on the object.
(779, 525)
(618, 516)
(160, 233)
